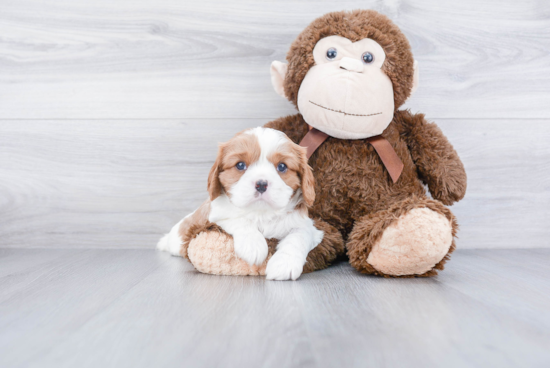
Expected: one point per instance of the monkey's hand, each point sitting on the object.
(438, 164)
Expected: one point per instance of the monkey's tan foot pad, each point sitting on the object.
(413, 244)
(212, 252)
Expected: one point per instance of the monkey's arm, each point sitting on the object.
(438, 164)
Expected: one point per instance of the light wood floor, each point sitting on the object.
(142, 308)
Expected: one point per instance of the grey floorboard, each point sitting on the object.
(142, 308)
(43, 305)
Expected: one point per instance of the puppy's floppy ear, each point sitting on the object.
(214, 184)
(308, 182)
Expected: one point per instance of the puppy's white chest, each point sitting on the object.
(271, 226)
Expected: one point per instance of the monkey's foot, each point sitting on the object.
(409, 239)
(212, 252)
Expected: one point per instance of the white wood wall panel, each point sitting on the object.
(154, 59)
(120, 184)
(110, 110)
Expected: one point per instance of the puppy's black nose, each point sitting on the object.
(261, 186)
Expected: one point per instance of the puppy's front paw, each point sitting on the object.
(283, 267)
(251, 247)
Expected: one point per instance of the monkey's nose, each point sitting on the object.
(353, 65)
(261, 186)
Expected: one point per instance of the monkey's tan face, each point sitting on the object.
(346, 94)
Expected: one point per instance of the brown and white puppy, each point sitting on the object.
(259, 187)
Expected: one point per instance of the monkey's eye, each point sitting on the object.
(240, 166)
(281, 168)
(331, 53)
(367, 57)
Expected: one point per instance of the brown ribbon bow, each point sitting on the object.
(314, 138)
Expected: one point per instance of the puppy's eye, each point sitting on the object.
(240, 166)
(331, 53)
(281, 168)
(367, 57)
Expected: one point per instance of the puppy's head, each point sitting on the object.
(261, 168)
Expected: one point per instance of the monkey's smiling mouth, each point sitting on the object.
(343, 112)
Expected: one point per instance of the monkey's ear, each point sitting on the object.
(416, 77)
(278, 73)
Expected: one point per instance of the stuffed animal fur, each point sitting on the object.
(385, 228)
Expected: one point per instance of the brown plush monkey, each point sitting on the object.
(348, 73)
